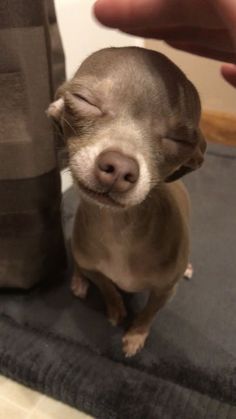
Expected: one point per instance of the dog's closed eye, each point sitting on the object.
(83, 98)
(174, 147)
(81, 106)
(180, 141)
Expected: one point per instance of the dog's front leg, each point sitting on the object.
(135, 337)
(116, 311)
(79, 283)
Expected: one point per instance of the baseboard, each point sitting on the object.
(219, 127)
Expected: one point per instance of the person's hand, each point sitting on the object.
(202, 27)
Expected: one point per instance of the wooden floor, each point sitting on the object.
(219, 127)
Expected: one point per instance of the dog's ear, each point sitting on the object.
(195, 160)
(56, 109)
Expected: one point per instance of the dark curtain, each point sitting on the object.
(31, 67)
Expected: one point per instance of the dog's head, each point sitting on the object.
(130, 118)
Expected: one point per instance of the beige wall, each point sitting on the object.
(82, 35)
(215, 93)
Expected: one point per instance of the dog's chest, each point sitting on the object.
(110, 250)
(120, 242)
(117, 267)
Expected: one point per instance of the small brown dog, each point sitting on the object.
(131, 121)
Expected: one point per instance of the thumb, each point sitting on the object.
(228, 71)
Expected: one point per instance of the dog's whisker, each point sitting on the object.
(69, 125)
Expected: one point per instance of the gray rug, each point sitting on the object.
(53, 342)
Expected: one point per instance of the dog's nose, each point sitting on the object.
(116, 171)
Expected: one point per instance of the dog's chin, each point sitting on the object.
(101, 199)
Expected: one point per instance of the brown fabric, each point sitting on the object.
(31, 67)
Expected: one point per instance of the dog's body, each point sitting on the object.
(144, 247)
(132, 127)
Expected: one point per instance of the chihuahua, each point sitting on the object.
(130, 118)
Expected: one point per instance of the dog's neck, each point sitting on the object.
(139, 215)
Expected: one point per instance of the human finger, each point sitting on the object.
(228, 71)
(134, 13)
(202, 51)
(211, 38)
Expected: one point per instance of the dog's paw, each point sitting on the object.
(116, 312)
(79, 286)
(188, 274)
(133, 342)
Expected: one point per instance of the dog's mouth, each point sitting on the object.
(99, 197)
